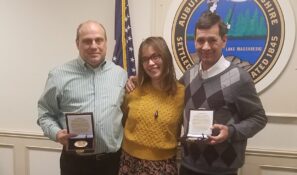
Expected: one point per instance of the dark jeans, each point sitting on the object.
(186, 171)
(100, 164)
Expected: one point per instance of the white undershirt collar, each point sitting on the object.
(221, 65)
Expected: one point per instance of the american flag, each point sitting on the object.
(123, 54)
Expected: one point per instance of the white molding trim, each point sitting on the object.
(271, 153)
(30, 135)
(22, 134)
(281, 115)
(282, 168)
(39, 135)
(257, 158)
(42, 148)
(4, 145)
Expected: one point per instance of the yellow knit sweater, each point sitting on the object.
(153, 123)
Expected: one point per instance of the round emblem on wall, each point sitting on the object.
(258, 39)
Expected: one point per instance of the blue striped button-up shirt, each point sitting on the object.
(75, 87)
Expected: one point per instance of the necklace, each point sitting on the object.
(156, 114)
(157, 100)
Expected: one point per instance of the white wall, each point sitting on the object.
(37, 35)
(279, 101)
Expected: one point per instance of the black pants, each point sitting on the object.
(101, 164)
(186, 171)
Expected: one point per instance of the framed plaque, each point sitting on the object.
(200, 124)
(82, 125)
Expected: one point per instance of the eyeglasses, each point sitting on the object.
(154, 57)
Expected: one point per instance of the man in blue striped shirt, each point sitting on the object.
(86, 84)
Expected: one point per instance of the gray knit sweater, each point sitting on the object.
(233, 97)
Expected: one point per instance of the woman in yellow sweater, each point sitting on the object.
(153, 113)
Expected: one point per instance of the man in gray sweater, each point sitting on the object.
(215, 84)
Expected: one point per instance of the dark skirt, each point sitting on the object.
(133, 166)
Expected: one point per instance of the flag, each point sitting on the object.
(123, 54)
